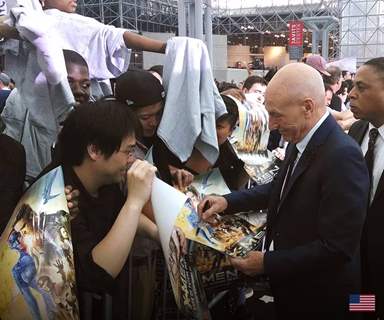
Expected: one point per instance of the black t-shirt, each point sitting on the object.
(12, 175)
(88, 228)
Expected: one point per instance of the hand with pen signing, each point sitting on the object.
(210, 207)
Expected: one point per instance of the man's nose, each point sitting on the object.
(352, 93)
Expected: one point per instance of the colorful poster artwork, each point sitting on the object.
(184, 238)
(37, 272)
(250, 140)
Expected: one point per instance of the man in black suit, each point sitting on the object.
(367, 104)
(316, 204)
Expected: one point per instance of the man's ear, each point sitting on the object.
(309, 106)
(93, 152)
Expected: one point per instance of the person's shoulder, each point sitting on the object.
(63, 17)
(357, 126)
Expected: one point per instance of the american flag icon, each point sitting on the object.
(362, 302)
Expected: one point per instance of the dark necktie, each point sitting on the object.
(369, 156)
(291, 165)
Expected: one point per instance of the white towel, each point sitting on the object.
(36, 27)
(193, 102)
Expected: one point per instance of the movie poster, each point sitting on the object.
(182, 234)
(37, 272)
(250, 140)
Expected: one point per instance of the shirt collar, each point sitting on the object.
(304, 142)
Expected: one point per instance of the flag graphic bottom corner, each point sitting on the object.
(362, 302)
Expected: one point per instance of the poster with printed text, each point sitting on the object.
(182, 234)
(37, 272)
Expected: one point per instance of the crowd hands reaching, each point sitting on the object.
(102, 154)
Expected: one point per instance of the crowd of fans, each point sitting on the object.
(324, 207)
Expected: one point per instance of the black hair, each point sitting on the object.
(344, 73)
(270, 74)
(223, 86)
(73, 57)
(158, 69)
(232, 114)
(104, 123)
(377, 64)
(335, 75)
(250, 81)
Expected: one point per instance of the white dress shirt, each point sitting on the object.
(301, 145)
(378, 163)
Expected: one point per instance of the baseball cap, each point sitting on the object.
(319, 63)
(139, 88)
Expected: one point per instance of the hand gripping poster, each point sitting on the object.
(250, 140)
(37, 272)
(182, 234)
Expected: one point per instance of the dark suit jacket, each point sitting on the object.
(12, 174)
(3, 98)
(372, 244)
(315, 227)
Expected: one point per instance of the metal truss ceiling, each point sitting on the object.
(362, 29)
(143, 15)
(146, 15)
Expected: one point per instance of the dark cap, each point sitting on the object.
(139, 88)
(318, 62)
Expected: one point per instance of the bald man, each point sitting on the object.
(316, 204)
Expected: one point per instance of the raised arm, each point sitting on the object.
(112, 252)
(135, 41)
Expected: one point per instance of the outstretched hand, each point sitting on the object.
(209, 208)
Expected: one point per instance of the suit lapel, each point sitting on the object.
(358, 132)
(308, 155)
(380, 188)
(302, 165)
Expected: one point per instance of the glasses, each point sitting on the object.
(129, 152)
